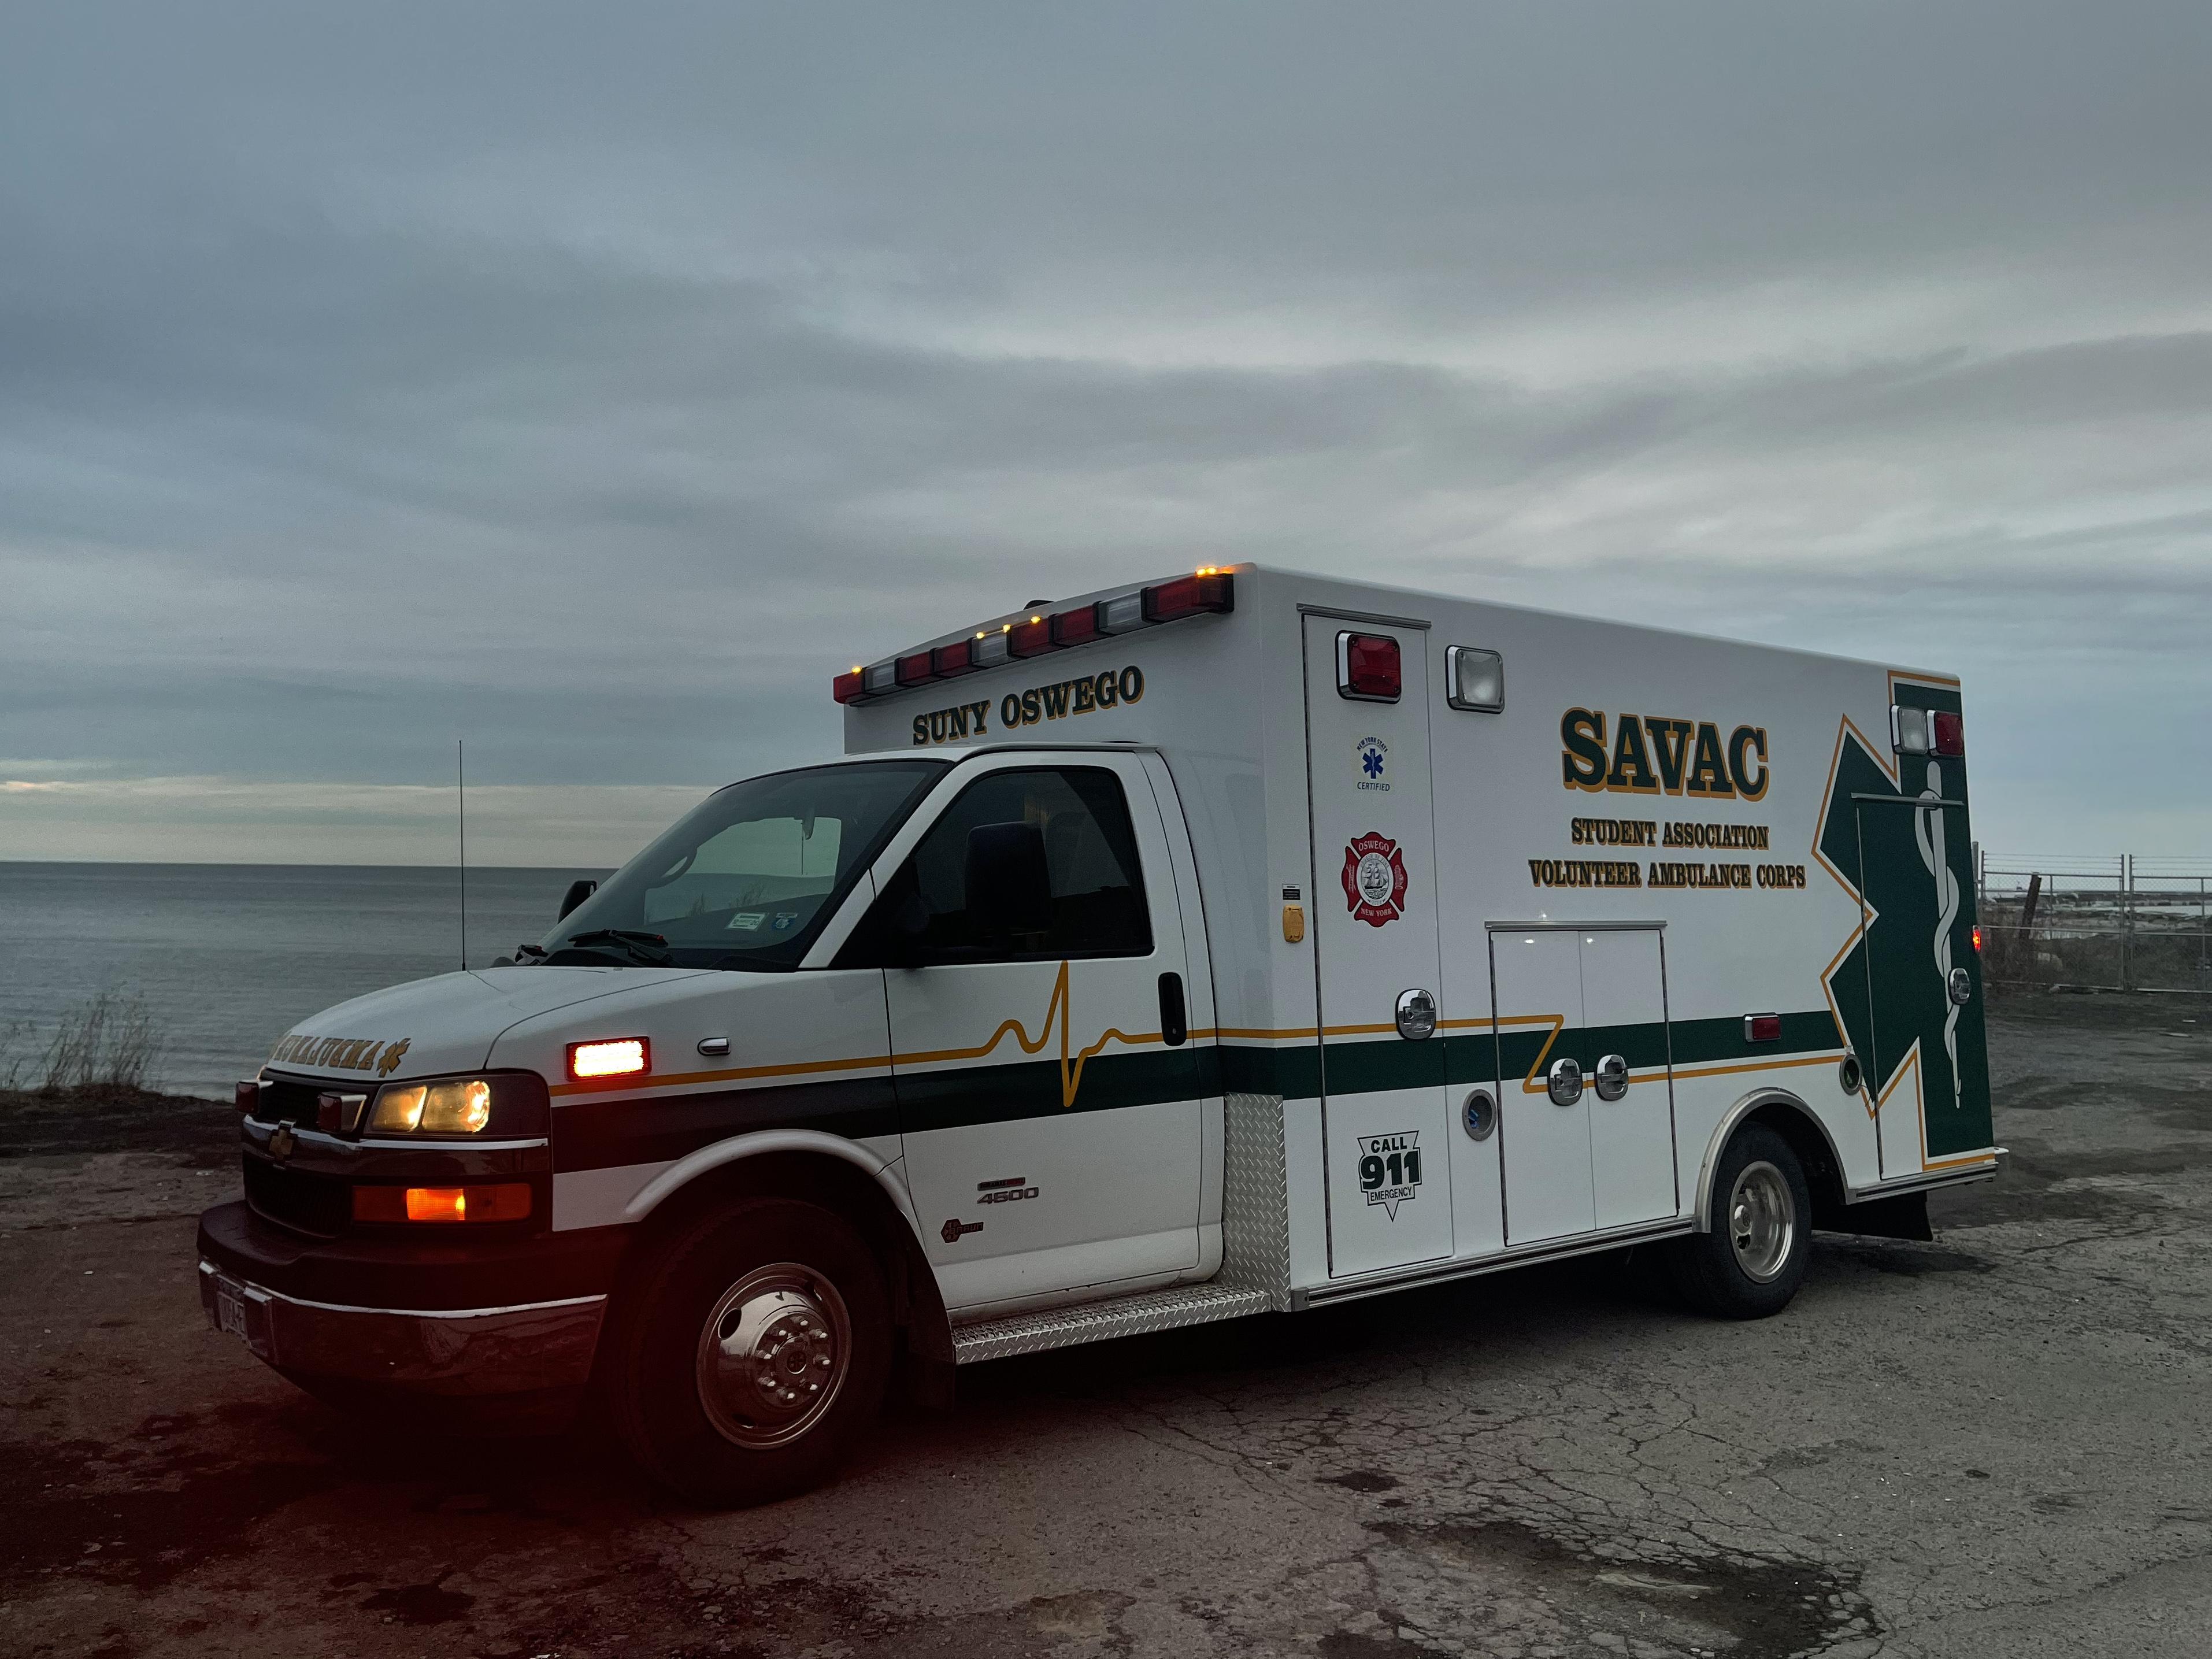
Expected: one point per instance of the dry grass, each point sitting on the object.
(110, 1044)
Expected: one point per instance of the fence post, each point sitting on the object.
(2127, 921)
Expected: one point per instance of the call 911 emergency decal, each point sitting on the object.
(1390, 1168)
(1375, 880)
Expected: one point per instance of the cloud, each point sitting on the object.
(594, 385)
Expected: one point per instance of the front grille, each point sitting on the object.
(319, 1205)
(296, 1102)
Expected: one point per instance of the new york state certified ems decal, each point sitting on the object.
(1375, 878)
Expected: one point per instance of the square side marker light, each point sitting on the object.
(610, 1057)
(1908, 730)
(914, 668)
(988, 650)
(850, 688)
(1367, 668)
(950, 661)
(1474, 679)
(1948, 733)
(1762, 1028)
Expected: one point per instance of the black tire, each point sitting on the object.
(817, 1297)
(1751, 1262)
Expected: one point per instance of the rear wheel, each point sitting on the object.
(1751, 1261)
(749, 1352)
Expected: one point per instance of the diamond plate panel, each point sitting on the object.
(1127, 1316)
(1255, 1217)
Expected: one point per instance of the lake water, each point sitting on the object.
(228, 956)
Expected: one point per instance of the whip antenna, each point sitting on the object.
(461, 780)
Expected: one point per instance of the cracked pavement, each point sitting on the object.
(1992, 1444)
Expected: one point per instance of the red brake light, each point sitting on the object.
(1367, 667)
(958, 658)
(1762, 1028)
(1077, 627)
(1189, 596)
(847, 688)
(914, 669)
(1949, 731)
(1032, 638)
(1977, 938)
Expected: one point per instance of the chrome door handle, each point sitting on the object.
(1610, 1077)
(1417, 1014)
(1563, 1082)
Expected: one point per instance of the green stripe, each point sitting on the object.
(1355, 1068)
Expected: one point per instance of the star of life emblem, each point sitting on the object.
(1375, 880)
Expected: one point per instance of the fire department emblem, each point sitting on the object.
(1375, 880)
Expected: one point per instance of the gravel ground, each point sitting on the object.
(1992, 1444)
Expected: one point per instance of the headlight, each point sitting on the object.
(462, 1107)
(501, 1105)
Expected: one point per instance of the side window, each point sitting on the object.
(1097, 905)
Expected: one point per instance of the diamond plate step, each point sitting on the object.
(1097, 1322)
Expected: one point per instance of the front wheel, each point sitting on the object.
(749, 1353)
(1751, 1261)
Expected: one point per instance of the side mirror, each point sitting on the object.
(1008, 889)
(578, 892)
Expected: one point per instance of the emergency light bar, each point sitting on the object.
(1207, 592)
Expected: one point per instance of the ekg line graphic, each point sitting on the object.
(1072, 1060)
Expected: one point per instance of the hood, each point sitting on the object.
(447, 1024)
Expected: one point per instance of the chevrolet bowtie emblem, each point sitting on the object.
(281, 1143)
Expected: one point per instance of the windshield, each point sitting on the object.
(750, 875)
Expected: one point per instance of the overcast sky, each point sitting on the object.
(595, 382)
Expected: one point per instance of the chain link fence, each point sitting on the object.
(2113, 923)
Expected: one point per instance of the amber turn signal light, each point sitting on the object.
(509, 1201)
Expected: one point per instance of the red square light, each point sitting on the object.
(1077, 627)
(1032, 638)
(1762, 1028)
(1189, 596)
(1948, 732)
(847, 688)
(958, 658)
(1367, 667)
(913, 668)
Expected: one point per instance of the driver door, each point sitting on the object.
(1049, 1099)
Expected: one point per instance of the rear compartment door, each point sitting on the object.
(1385, 1107)
(1598, 1152)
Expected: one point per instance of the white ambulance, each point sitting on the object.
(1244, 941)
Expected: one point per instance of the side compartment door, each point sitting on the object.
(1632, 1112)
(1385, 1106)
(1536, 980)
(1051, 1130)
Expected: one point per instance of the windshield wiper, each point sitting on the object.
(647, 950)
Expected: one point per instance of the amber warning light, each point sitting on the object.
(610, 1057)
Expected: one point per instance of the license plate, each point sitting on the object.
(230, 1313)
(243, 1317)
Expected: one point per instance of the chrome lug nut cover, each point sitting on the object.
(772, 1355)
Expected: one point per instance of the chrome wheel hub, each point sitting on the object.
(773, 1353)
(1762, 1220)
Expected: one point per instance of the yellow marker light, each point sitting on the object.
(462, 1108)
(509, 1201)
(613, 1057)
